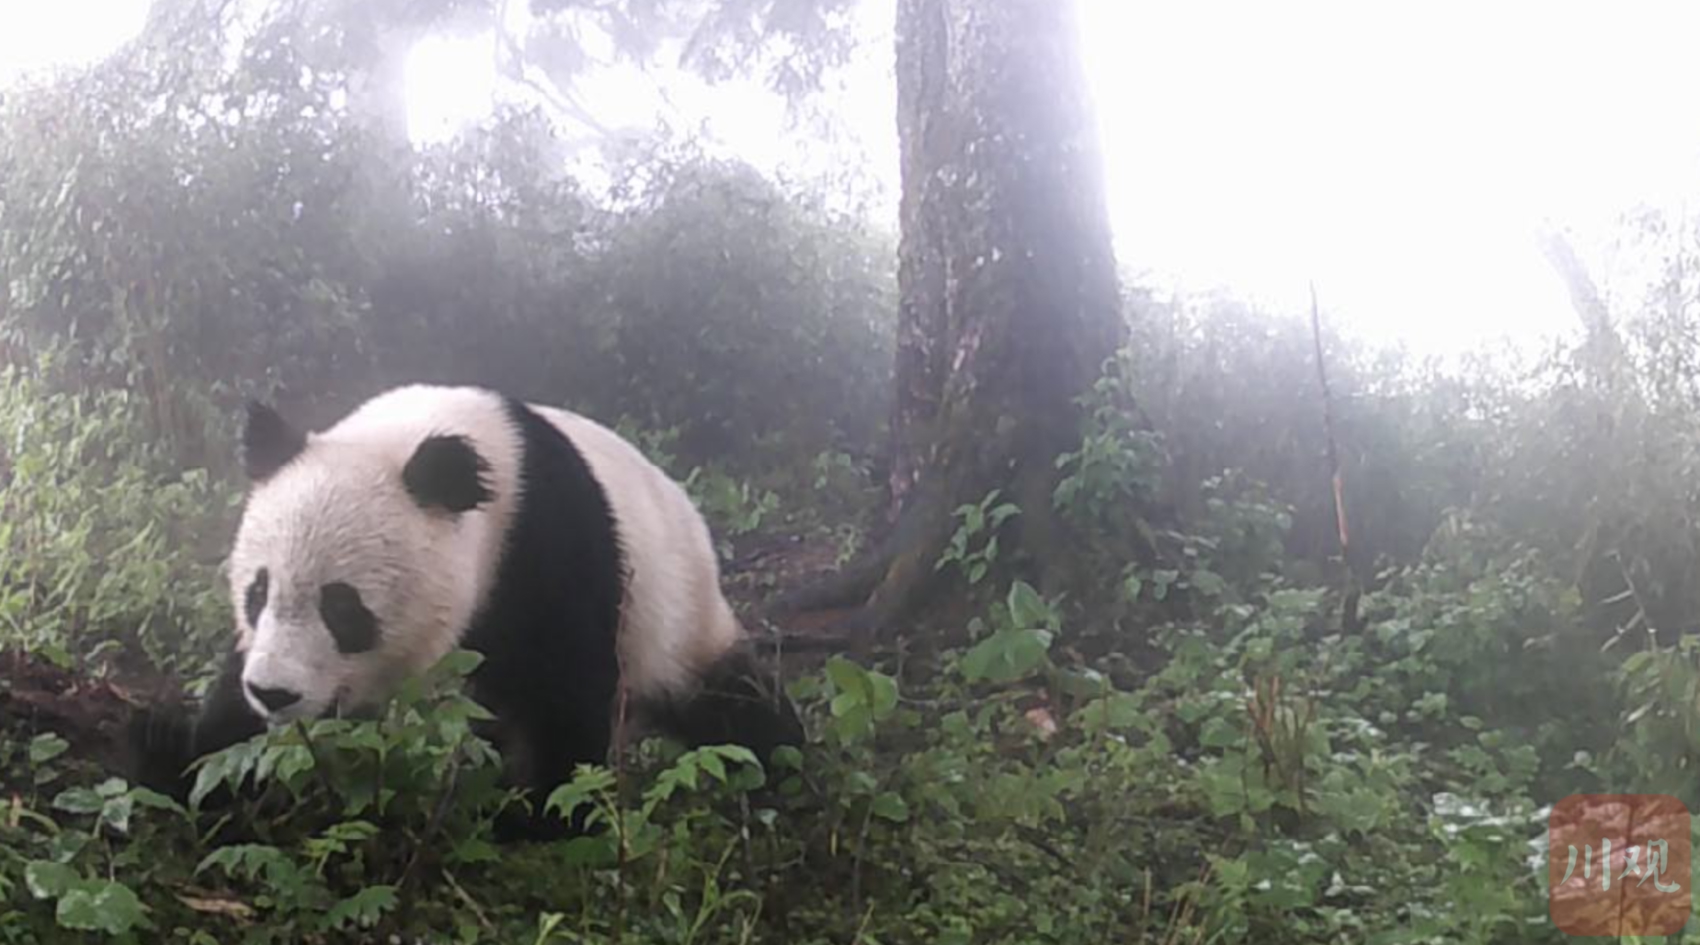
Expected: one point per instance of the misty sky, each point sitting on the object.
(1403, 157)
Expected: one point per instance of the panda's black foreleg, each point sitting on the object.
(226, 717)
(550, 727)
(551, 755)
(561, 746)
(164, 741)
(161, 743)
(733, 705)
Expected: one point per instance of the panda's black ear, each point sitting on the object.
(268, 442)
(447, 473)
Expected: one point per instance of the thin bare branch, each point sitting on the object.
(1349, 604)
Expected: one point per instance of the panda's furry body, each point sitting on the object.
(433, 518)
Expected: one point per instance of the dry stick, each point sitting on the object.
(1145, 915)
(438, 812)
(319, 769)
(862, 927)
(1349, 606)
(1632, 594)
(471, 903)
(856, 866)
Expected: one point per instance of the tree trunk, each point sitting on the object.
(1009, 303)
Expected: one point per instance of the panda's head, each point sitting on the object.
(356, 562)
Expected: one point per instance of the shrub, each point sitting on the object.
(102, 541)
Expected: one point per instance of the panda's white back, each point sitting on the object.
(676, 620)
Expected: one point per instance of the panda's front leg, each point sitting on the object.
(226, 716)
(544, 740)
(164, 741)
(547, 757)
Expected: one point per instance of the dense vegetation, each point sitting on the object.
(1186, 742)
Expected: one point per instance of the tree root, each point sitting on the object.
(849, 587)
(886, 584)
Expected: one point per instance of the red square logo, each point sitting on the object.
(1617, 864)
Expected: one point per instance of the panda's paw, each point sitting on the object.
(159, 743)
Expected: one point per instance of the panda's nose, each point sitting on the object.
(275, 700)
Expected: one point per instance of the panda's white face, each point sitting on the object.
(362, 550)
(327, 582)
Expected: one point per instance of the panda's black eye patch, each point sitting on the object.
(353, 626)
(254, 600)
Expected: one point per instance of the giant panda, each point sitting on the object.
(435, 517)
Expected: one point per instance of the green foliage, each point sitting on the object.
(98, 534)
(72, 858)
(859, 698)
(1017, 648)
(1179, 745)
(1254, 775)
(733, 507)
(83, 904)
(1240, 533)
(1119, 460)
(973, 546)
(789, 46)
(747, 314)
(306, 254)
(1267, 781)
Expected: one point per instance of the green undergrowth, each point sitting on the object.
(1177, 742)
(1269, 780)
(102, 534)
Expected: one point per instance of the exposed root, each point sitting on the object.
(848, 587)
(881, 589)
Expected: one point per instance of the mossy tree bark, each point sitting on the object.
(1009, 303)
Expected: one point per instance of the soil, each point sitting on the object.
(37, 697)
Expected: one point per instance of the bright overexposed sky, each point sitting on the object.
(1403, 156)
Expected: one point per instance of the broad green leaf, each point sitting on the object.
(155, 800)
(79, 800)
(47, 880)
(46, 747)
(891, 806)
(884, 693)
(787, 756)
(99, 906)
(845, 675)
(1208, 582)
(585, 787)
(714, 766)
(1218, 733)
(116, 813)
(1006, 655)
(1132, 586)
(363, 909)
(1026, 608)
